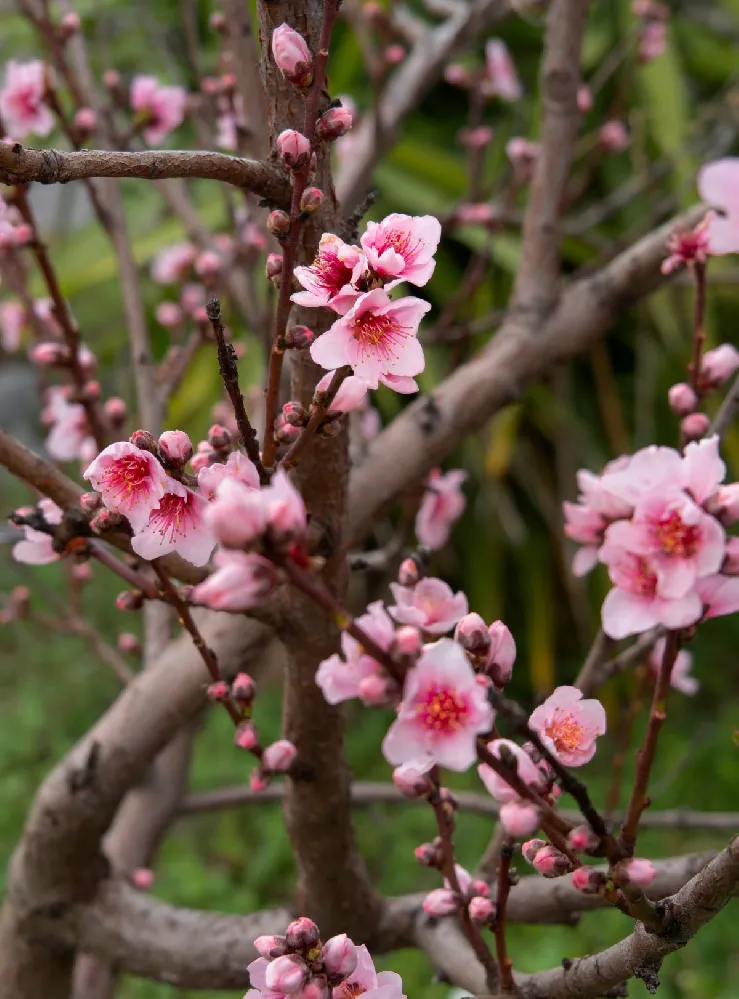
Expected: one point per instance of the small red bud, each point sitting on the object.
(129, 600)
(144, 440)
(219, 437)
(299, 337)
(273, 268)
(278, 223)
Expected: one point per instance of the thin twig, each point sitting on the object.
(135, 579)
(505, 964)
(699, 271)
(321, 406)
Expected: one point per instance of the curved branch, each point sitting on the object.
(56, 166)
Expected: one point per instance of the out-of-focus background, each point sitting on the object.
(508, 551)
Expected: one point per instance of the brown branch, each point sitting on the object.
(505, 964)
(57, 166)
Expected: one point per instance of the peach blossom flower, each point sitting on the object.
(402, 248)
(36, 548)
(501, 79)
(527, 770)
(176, 524)
(22, 104)
(429, 605)
(171, 265)
(634, 605)
(329, 281)
(680, 677)
(340, 678)
(569, 725)
(240, 581)
(443, 503)
(368, 983)
(718, 185)
(162, 107)
(131, 481)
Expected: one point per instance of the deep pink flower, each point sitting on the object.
(633, 605)
(238, 467)
(429, 605)
(443, 711)
(352, 393)
(501, 79)
(365, 981)
(171, 265)
(443, 503)
(569, 725)
(377, 337)
(519, 819)
(240, 581)
(340, 679)
(330, 279)
(12, 322)
(680, 677)
(36, 547)
(131, 481)
(22, 99)
(527, 770)
(163, 107)
(292, 55)
(718, 185)
(402, 248)
(176, 524)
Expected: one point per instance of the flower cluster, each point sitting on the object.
(299, 964)
(472, 894)
(656, 519)
(375, 334)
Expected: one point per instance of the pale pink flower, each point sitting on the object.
(429, 605)
(569, 725)
(501, 79)
(377, 337)
(237, 467)
(443, 503)
(171, 265)
(240, 581)
(163, 107)
(352, 393)
(626, 480)
(702, 471)
(36, 547)
(130, 480)
(443, 711)
(292, 55)
(718, 365)
(284, 505)
(340, 678)
(330, 279)
(718, 185)
(719, 595)
(238, 514)
(368, 983)
(12, 322)
(402, 248)
(69, 435)
(176, 524)
(680, 677)
(614, 136)
(519, 819)
(633, 605)
(22, 104)
(527, 770)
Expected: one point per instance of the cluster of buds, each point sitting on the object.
(290, 422)
(300, 964)
(547, 859)
(717, 366)
(491, 649)
(473, 894)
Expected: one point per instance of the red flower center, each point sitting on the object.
(330, 272)
(128, 474)
(404, 244)
(378, 334)
(676, 538)
(173, 516)
(351, 990)
(441, 709)
(645, 579)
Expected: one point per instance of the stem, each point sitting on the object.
(698, 335)
(645, 756)
(505, 964)
(230, 375)
(319, 409)
(133, 578)
(290, 246)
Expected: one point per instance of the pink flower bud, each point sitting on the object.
(718, 365)
(472, 634)
(427, 854)
(394, 54)
(582, 838)
(334, 123)
(551, 863)
(294, 148)
(279, 756)
(412, 781)
(299, 337)
(259, 781)
(278, 223)
(476, 138)
(82, 573)
(285, 433)
(311, 200)
(243, 689)
(142, 878)
(481, 909)
(352, 392)
(408, 640)
(246, 736)
(694, 426)
(408, 574)
(70, 24)
(377, 690)
(217, 22)
(144, 440)
(273, 267)
(682, 399)
(219, 437)
(208, 263)
(271, 946)
(292, 56)
(112, 79)
(176, 447)
(339, 956)
(169, 314)
(501, 655)
(302, 934)
(441, 902)
(531, 848)
(588, 881)
(85, 120)
(200, 460)
(457, 76)
(128, 642)
(115, 409)
(614, 136)
(90, 502)
(519, 819)
(49, 354)
(637, 872)
(286, 974)
(218, 691)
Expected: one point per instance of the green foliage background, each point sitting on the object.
(507, 551)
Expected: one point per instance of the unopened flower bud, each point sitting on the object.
(49, 354)
(377, 690)
(292, 56)
(694, 426)
(408, 574)
(411, 781)
(614, 136)
(302, 934)
(582, 838)
(294, 148)
(82, 573)
(311, 200)
(85, 120)
(315, 988)
(299, 337)
(279, 756)
(584, 98)
(333, 124)
(519, 819)
(128, 642)
(91, 391)
(285, 433)
(273, 268)
(286, 974)
(481, 909)
(259, 780)
(219, 437)
(587, 880)
(129, 600)
(217, 691)
(408, 640)
(457, 75)
(90, 502)
(472, 634)
(115, 409)
(428, 854)
(295, 414)
(142, 878)
(243, 689)
(144, 440)
(246, 736)
(339, 956)
(551, 862)
(112, 79)
(718, 365)
(69, 25)
(441, 902)
(105, 520)
(637, 871)
(682, 399)
(278, 223)
(176, 447)
(531, 848)
(271, 946)
(501, 655)
(169, 314)
(201, 460)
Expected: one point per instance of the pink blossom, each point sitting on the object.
(614, 136)
(430, 605)
(334, 123)
(365, 981)
(443, 503)
(241, 581)
(285, 974)
(36, 548)
(476, 138)
(294, 148)
(171, 265)
(634, 606)
(330, 279)
(237, 467)
(519, 819)
(352, 392)
(718, 185)
(441, 902)
(682, 399)
(292, 56)
(501, 654)
(551, 863)
(12, 321)
(443, 711)
(340, 955)
(480, 909)
(523, 155)
(569, 725)
(169, 314)
(377, 337)
(411, 778)
(340, 678)
(402, 248)
(718, 365)
(85, 119)
(246, 736)
(238, 515)
(501, 79)
(680, 677)
(176, 524)
(474, 214)
(22, 104)
(142, 878)
(163, 108)
(176, 446)
(285, 508)
(527, 770)
(637, 871)
(584, 98)
(687, 247)
(69, 437)
(131, 481)
(719, 595)
(278, 757)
